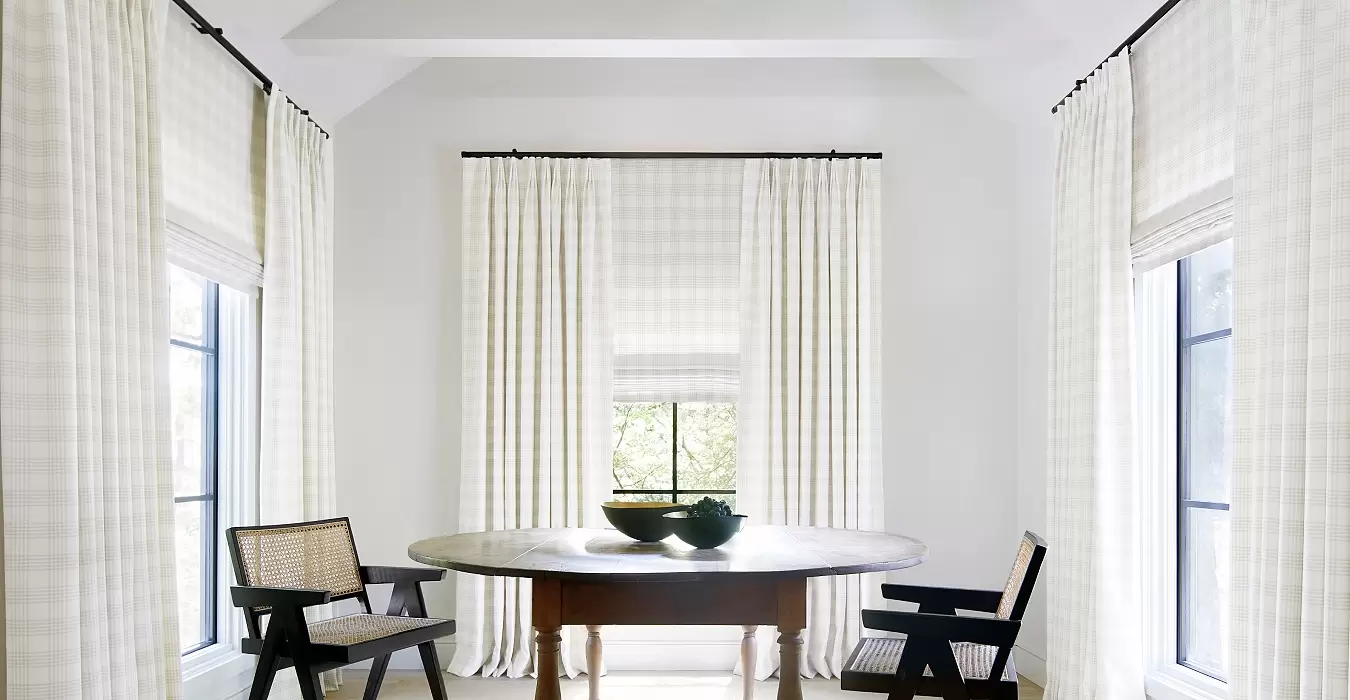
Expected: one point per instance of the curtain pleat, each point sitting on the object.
(85, 454)
(297, 477)
(809, 447)
(1290, 606)
(1094, 650)
(538, 354)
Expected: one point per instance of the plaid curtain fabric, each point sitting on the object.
(85, 458)
(296, 465)
(1094, 650)
(538, 403)
(677, 245)
(1290, 624)
(215, 154)
(1183, 86)
(809, 443)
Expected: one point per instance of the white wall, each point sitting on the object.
(954, 349)
(1035, 172)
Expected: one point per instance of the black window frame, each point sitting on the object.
(674, 491)
(1185, 343)
(209, 498)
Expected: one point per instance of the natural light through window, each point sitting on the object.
(1205, 366)
(193, 361)
(675, 451)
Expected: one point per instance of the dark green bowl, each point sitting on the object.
(707, 531)
(641, 521)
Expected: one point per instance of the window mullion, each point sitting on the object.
(674, 452)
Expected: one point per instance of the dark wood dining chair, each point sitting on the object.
(284, 569)
(944, 654)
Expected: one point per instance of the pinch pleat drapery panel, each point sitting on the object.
(1094, 650)
(297, 477)
(538, 366)
(809, 437)
(1290, 604)
(85, 448)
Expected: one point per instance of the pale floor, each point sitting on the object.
(412, 685)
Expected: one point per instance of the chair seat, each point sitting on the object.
(872, 668)
(350, 630)
(358, 637)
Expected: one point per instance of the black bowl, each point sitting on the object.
(641, 521)
(707, 531)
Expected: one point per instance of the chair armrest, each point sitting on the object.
(400, 574)
(958, 598)
(264, 597)
(952, 628)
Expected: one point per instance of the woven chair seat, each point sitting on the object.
(350, 630)
(881, 655)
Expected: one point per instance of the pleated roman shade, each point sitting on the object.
(677, 279)
(1184, 102)
(215, 129)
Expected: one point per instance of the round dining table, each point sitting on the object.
(595, 577)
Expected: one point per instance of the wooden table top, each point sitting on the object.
(764, 551)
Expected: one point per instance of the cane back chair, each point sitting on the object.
(282, 570)
(944, 654)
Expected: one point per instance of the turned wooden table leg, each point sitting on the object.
(546, 686)
(594, 659)
(791, 622)
(748, 659)
(547, 604)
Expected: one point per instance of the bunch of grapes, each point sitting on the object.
(707, 507)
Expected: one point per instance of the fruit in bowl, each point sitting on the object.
(707, 524)
(641, 520)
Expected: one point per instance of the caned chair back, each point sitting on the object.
(319, 554)
(1027, 566)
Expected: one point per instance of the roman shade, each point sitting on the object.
(1183, 77)
(677, 238)
(214, 130)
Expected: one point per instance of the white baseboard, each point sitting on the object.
(1029, 665)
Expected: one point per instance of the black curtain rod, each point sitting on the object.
(1141, 31)
(219, 35)
(660, 155)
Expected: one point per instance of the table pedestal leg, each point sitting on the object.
(748, 659)
(549, 641)
(594, 660)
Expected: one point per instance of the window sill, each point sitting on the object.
(1176, 682)
(216, 672)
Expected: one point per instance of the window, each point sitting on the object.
(676, 452)
(194, 383)
(1204, 410)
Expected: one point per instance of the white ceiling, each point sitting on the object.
(1017, 56)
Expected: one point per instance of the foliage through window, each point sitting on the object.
(674, 451)
(1205, 357)
(193, 382)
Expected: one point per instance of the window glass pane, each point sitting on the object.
(707, 450)
(642, 497)
(1210, 300)
(186, 383)
(187, 294)
(1208, 413)
(1204, 608)
(642, 445)
(188, 524)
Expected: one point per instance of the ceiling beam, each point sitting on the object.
(665, 29)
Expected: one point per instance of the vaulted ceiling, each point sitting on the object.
(1017, 56)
